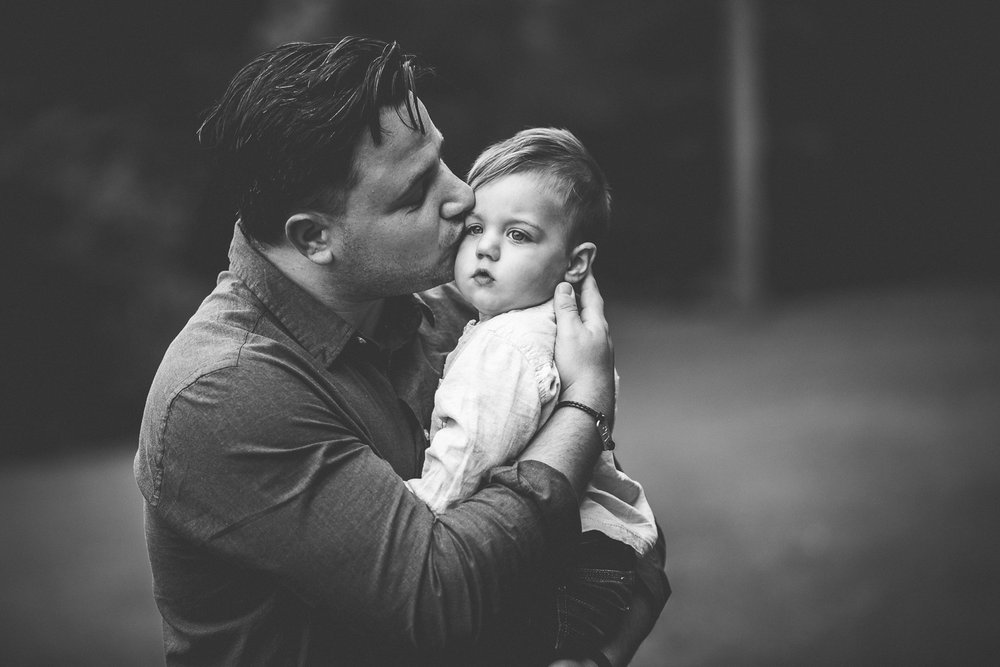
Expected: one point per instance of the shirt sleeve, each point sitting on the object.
(297, 496)
(486, 410)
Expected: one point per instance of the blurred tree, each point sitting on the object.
(746, 139)
(99, 208)
(636, 81)
(283, 21)
(882, 155)
(884, 150)
(102, 185)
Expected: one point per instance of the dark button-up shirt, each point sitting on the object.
(271, 458)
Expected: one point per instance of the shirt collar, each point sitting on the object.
(322, 332)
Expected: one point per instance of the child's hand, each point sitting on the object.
(584, 354)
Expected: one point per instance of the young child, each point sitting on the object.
(542, 203)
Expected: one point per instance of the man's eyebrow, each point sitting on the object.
(439, 145)
(422, 171)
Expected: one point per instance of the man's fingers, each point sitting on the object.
(591, 301)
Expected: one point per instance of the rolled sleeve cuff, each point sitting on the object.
(553, 496)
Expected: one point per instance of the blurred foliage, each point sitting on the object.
(882, 155)
(101, 207)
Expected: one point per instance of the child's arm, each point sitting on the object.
(486, 409)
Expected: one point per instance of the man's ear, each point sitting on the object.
(313, 235)
(580, 261)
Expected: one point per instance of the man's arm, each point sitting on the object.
(587, 329)
(293, 490)
(308, 504)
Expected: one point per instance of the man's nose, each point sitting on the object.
(460, 199)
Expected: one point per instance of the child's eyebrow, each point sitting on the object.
(528, 223)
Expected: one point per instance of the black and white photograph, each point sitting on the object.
(472, 333)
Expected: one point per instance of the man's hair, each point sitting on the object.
(560, 160)
(287, 127)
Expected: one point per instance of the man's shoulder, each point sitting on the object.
(229, 347)
(213, 338)
(213, 378)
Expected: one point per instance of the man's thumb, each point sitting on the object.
(565, 300)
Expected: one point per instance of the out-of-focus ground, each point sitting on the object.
(826, 473)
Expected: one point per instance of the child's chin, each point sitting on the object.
(490, 309)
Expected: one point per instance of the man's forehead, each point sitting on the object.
(401, 144)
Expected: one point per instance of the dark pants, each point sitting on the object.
(590, 598)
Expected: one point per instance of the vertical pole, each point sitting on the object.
(746, 140)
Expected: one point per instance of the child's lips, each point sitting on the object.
(482, 277)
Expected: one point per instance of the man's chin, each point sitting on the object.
(434, 280)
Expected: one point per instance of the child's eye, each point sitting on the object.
(517, 236)
(474, 229)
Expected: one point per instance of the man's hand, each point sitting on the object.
(583, 354)
(568, 441)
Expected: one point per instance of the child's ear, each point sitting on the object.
(580, 261)
(313, 235)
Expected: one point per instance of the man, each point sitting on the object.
(285, 416)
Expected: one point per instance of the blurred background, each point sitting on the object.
(802, 285)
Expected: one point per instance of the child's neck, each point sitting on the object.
(483, 316)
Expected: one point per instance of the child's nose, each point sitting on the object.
(488, 247)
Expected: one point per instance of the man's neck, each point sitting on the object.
(362, 314)
(364, 317)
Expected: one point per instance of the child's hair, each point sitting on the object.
(564, 165)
